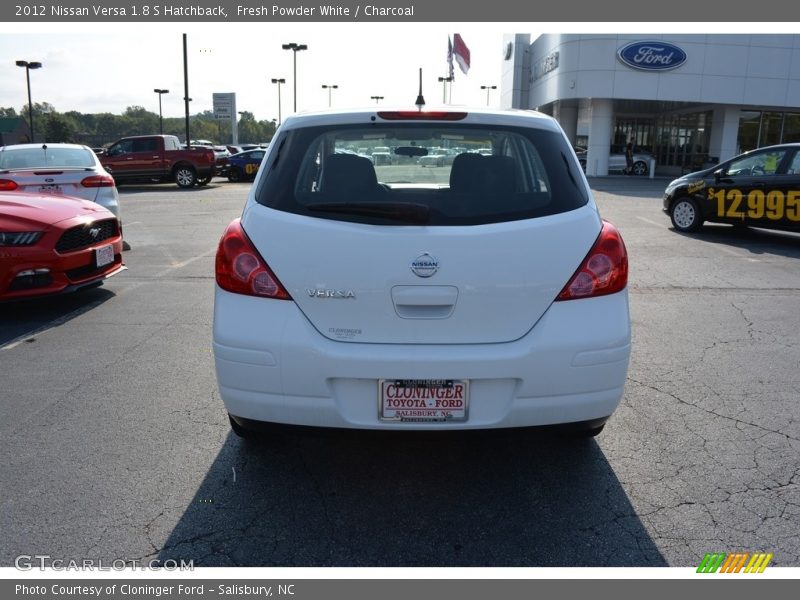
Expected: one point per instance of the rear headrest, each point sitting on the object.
(348, 173)
(500, 175)
(465, 174)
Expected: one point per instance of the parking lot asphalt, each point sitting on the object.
(116, 445)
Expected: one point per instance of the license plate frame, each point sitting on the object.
(423, 400)
(104, 255)
(51, 188)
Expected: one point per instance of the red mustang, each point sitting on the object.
(51, 245)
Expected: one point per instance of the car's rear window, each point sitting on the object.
(22, 158)
(438, 174)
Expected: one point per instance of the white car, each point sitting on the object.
(617, 160)
(58, 170)
(397, 298)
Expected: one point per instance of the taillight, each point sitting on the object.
(419, 115)
(8, 185)
(603, 271)
(240, 268)
(94, 181)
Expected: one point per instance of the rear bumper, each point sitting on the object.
(273, 366)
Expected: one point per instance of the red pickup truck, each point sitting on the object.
(158, 158)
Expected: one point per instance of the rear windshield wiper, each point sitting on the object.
(398, 211)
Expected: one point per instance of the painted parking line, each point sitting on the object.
(651, 222)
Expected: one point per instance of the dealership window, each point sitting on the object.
(749, 128)
(791, 128)
(681, 140)
(766, 128)
(636, 131)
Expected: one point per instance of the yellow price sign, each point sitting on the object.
(758, 204)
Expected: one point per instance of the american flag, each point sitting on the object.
(450, 57)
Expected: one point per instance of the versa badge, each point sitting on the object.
(331, 293)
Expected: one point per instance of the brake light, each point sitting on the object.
(418, 115)
(240, 268)
(8, 185)
(603, 271)
(95, 181)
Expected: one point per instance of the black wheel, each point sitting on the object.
(640, 168)
(235, 175)
(583, 433)
(242, 432)
(204, 181)
(590, 433)
(185, 176)
(685, 215)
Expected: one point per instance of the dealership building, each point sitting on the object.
(689, 100)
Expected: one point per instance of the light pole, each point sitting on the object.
(488, 88)
(28, 66)
(444, 81)
(279, 82)
(376, 98)
(160, 116)
(329, 88)
(295, 48)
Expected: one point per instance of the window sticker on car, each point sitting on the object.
(774, 205)
(695, 186)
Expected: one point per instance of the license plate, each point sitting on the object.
(50, 189)
(423, 400)
(103, 255)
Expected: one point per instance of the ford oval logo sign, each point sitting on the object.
(652, 56)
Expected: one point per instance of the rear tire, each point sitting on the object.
(242, 432)
(204, 181)
(235, 175)
(640, 168)
(685, 215)
(584, 434)
(185, 177)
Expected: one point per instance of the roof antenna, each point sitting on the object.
(420, 100)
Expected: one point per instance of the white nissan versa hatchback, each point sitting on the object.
(487, 293)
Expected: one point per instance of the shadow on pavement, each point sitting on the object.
(164, 188)
(458, 500)
(626, 185)
(753, 240)
(25, 317)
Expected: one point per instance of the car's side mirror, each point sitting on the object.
(718, 174)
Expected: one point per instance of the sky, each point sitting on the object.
(106, 68)
(101, 67)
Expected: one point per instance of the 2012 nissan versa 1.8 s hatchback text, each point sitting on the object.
(487, 293)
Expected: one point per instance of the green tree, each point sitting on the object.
(7, 112)
(106, 127)
(249, 129)
(60, 128)
(138, 121)
(40, 109)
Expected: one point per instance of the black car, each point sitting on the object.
(759, 188)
